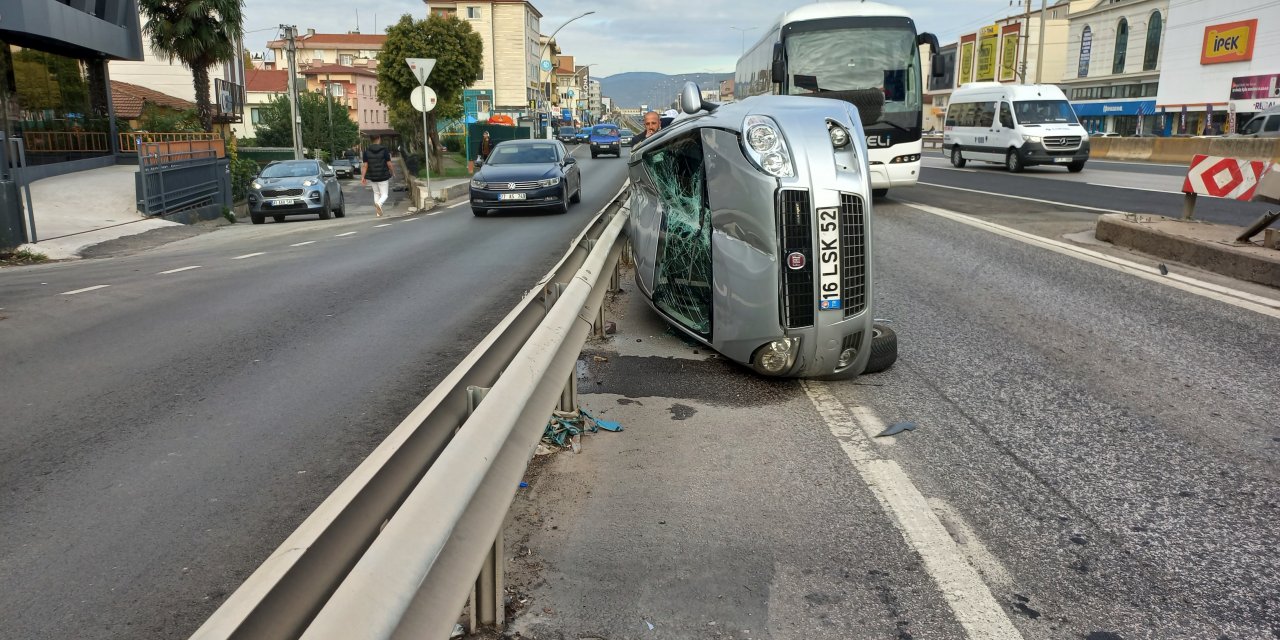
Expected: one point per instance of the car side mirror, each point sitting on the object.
(937, 66)
(778, 72)
(690, 98)
(329, 174)
(570, 160)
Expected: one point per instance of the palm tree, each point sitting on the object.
(197, 33)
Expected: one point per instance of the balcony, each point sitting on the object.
(228, 101)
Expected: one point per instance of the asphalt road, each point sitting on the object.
(1093, 458)
(164, 433)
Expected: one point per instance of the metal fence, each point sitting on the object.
(415, 531)
(172, 178)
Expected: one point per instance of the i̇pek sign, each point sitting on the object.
(1228, 42)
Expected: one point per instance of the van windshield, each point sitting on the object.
(1044, 112)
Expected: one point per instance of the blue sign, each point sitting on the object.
(571, 93)
(546, 65)
(1125, 108)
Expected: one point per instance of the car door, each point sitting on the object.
(331, 187)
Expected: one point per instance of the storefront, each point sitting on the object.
(1125, 117)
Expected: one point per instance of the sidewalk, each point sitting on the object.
(81, 209)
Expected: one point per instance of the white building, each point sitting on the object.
(1219, 56)
(512, 43)
(1112, 67)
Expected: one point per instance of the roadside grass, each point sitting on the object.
(454, 165)
(22, 256)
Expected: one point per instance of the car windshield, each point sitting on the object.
(1044, 112)
(524, 153)
(567, 131)
(606, 131)
(849, 59)
(291, 170)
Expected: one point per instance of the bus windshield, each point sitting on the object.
(1044, 112)
(857, 58)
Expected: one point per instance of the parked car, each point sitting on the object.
(526, 174)
(566, 134)
(583, 136)
(294, 188)
(625, 136)
(345, 168)
(605, 139)
(786, 287)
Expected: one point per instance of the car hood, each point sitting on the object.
(517, 172)
(284, 183)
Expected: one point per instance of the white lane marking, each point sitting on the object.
(250, 255)
(349, 233)
(434, 213)
(1005, 195)
(379, 226)
(962, 587)
(409, 220)
(95, 287)
(455, 206)
(299, 244)
(956, 169)
(1242, 299)
(196, 266)
(1116, 186)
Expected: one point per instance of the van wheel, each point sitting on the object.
(957, 160)
(1076, 167)
(1013, 162)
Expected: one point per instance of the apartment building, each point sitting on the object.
(1112, 71)
(354, 89)
(316, 49)
(512, 43)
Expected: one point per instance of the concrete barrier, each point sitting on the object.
(1181, 150)
(1138, 149)
(1211, 251)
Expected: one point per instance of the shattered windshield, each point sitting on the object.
(853, 58)
(682, 286)
(1044, 112)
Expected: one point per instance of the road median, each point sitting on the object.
(1200, 244)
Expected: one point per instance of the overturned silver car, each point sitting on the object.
(751, 230)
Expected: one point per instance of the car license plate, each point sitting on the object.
(511, 196)
(280, 202)
(829, 258)
(1062, 160)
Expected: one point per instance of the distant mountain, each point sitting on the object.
(658, 90)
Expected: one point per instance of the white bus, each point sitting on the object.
(864, 52)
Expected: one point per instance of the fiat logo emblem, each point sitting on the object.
(511, 186)
(795, 260)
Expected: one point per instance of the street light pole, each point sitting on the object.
(328, 103)
(744, 31)
(547, 92)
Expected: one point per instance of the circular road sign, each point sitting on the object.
(546, 65)
(423, 98)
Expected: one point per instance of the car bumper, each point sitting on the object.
(607, 147)
(302, 205)
(1033, 153)
(533, 198)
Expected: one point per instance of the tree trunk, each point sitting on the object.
(200, 79)
(433, 136)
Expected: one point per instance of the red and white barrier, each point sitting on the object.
(1224, 177)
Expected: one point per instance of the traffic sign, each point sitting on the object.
(423, 99)
(1224, 177)
(421, 67)
(546, 65)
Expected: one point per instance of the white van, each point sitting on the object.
(1263, 125)
(1017, 125)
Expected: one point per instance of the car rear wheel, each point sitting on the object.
(957, 158)
(324, 209)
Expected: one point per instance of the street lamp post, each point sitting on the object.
(328, 103)
(547, 93)
(744, 31)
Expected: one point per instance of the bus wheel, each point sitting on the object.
(879, 193)
(957, 160)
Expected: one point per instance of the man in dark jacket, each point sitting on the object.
(651, 125)
(377, 169)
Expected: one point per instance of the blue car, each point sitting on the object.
(584, 134)
(606, 139)
(526, 174)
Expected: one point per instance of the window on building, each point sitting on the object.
(1122, 44)
(473, 13)
(1150, 56)
(1086, 46)
(345, 59)
(255, 115)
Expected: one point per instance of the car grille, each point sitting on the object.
(513, 186)
(795, 231)
(853, 254)
(1062, 142)
(276, 193)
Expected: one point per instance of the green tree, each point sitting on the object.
(273, 129)
(458, 52)
(197, 33)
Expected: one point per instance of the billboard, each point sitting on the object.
(1228, 42)
(1009, 52)
(988, 42)
(966, 61)
(1255, 87)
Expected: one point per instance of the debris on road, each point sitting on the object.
(564, 426)
(896, 428)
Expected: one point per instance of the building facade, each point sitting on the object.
(512, 43)
(316, 49)
(995, 53)
(1112, 69)
(261, 87)
(1221, 64)
(54, 79)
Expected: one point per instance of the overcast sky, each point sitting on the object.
(667, 36)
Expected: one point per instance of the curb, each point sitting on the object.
(1224, 259)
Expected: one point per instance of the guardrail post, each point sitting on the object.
(569, 396)
(1188, 205)
(488, 605)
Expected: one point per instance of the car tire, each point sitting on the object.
(884, 349)
(341, 211)
(1076, 167)
(879, 193)
(1013, 161)
(593, 155)
(577, 195)
(957, 158)
(257, 218)
(324, 209)
(563, 207)
(278, 218)
(479, 213)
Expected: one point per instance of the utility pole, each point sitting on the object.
(1026, 40)
(1040, 45)
(328, 103)
(291, 47)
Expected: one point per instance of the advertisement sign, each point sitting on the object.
(1255, 87)
(1228, 42)
(1009, 53)
(988, 42)
(966, 62)
(1086, 50)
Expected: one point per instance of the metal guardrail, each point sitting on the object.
(129, 141)
(66, 141)
(398, 548)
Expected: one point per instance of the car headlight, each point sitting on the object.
(478, 184)
(255, 186)
(310, 182)
(839, 137)
(1033, 139)
(766, 147)
(549, 182)
(776, 357)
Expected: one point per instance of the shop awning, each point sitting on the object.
(1116, 108)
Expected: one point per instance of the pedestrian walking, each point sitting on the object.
(377, 169)
(486, 145)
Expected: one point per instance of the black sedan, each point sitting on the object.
(526, 174)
